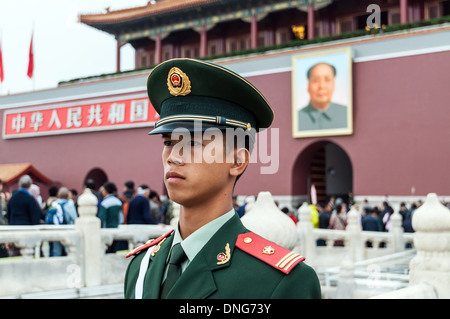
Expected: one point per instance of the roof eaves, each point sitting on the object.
(139, 12)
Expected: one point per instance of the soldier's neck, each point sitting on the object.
(193, 218)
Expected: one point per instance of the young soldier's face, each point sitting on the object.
(197, 167)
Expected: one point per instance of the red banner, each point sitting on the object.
(50, 120)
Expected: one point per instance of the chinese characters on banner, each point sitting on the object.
(49, 120)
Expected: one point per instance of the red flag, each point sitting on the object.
(2, 75)
(31, 59)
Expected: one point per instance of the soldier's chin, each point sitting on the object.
(175, 196)
(183, 200)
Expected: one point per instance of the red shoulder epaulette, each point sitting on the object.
(150, 243)
(269, 252)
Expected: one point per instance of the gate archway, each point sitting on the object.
(325, 165)
(98, 176)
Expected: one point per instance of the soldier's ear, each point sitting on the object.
(241, 160)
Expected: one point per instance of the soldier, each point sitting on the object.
(210, 254)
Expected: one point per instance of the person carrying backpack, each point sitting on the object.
(61, 212)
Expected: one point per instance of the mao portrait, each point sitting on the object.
(322, 94)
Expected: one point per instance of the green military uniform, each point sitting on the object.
(241, 276)
(310, 118)
(222, 258)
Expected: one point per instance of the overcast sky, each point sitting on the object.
(64, 49)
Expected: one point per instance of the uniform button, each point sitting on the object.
(247, 240)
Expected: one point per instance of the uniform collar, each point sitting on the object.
(195, 242)
(197, 281)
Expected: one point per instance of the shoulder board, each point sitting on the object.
(276, 256)
(150, 243)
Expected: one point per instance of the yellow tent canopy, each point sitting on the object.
(11, 173)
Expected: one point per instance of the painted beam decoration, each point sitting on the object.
(83, 116)
(223, 17)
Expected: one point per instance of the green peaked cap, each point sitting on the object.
(186, 90)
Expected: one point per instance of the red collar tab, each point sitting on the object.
(150, 243)
(269, 252)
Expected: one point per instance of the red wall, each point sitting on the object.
(122, 154)
(401, 137)
(401, 128)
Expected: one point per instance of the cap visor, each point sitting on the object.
(183, 126)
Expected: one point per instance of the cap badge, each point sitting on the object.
(178, 82)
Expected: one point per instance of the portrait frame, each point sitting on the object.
(305, 123)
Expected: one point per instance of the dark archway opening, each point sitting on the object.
(325, 165)
(98, 176)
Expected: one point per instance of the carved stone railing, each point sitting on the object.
(135, 235)
(430, 268)
(352, 262)
(33, 240)
(356, 244)
(86, 263)
(267, 220)
(29, 272)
